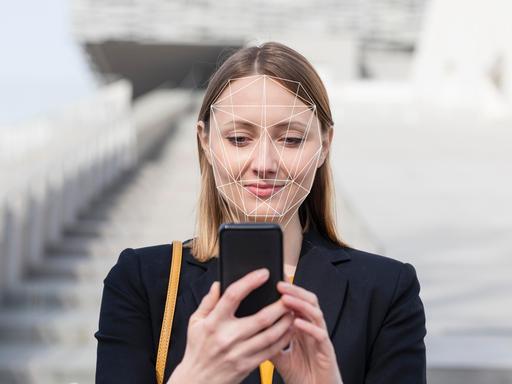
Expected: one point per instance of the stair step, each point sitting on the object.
(45, 364)
(111, 246)
(81, 268)
(468, 375)
(122, 233)
(473, 359)
(62, 293)
(86, 245)
(87, 227)
(41, 325)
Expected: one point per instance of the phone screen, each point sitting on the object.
(245, 247)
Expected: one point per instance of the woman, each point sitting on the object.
(264, 134)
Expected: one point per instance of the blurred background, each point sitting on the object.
(98, 104)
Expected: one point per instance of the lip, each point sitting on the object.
(263, 190)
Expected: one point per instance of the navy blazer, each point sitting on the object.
(371, 306)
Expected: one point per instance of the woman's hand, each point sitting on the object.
(222, 348)
(311, 357)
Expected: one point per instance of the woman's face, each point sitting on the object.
(264, 145)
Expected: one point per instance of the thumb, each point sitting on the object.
(209, 300)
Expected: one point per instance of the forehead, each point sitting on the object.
(255, 96)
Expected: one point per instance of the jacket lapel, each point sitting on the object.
(202, 284)
(317, 271)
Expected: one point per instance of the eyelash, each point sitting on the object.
(234, 140)
(296, 140)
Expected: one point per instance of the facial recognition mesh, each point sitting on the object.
(265, 145)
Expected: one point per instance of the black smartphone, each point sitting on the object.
(245, 247)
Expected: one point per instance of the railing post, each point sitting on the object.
(15, 230)
(36, 222)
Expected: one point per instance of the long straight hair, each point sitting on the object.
(280, 61)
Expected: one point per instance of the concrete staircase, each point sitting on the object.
(47, 321)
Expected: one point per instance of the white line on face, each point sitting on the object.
(265, 144)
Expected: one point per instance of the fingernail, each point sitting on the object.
(263, 272)
(288, 348)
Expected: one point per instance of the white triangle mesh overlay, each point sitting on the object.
(265, 145)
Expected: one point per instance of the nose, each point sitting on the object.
(265, 159)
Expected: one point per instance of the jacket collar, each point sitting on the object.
(316, 271)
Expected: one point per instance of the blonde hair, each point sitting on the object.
(318, 209)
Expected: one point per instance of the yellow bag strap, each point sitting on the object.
(170, 303)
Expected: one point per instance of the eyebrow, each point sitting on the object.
(284, 124)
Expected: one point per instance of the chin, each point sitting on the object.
(263, 213)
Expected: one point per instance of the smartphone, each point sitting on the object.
(245, 247)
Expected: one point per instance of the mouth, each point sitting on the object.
(263, 189)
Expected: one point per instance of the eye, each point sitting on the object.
(238, 140)
(293, 141)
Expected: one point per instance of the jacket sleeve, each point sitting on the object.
(398, 353)
(125, 351)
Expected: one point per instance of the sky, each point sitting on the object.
(42, 68)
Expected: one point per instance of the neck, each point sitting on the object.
(292, 242)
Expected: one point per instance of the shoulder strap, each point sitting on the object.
(170, 303)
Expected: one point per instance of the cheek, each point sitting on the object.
(228, 161)
(301, 162)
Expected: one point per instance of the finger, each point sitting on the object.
(311, 312)
(287, 349)
(237, 291)
(282, 357)
(319, 334)
(276, 348)
(263, 319)
(294, 290)
(266, 338)
(209, 300)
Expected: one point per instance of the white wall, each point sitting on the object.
(464, 44)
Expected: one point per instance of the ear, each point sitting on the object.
(326, 144)
(202, 135)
